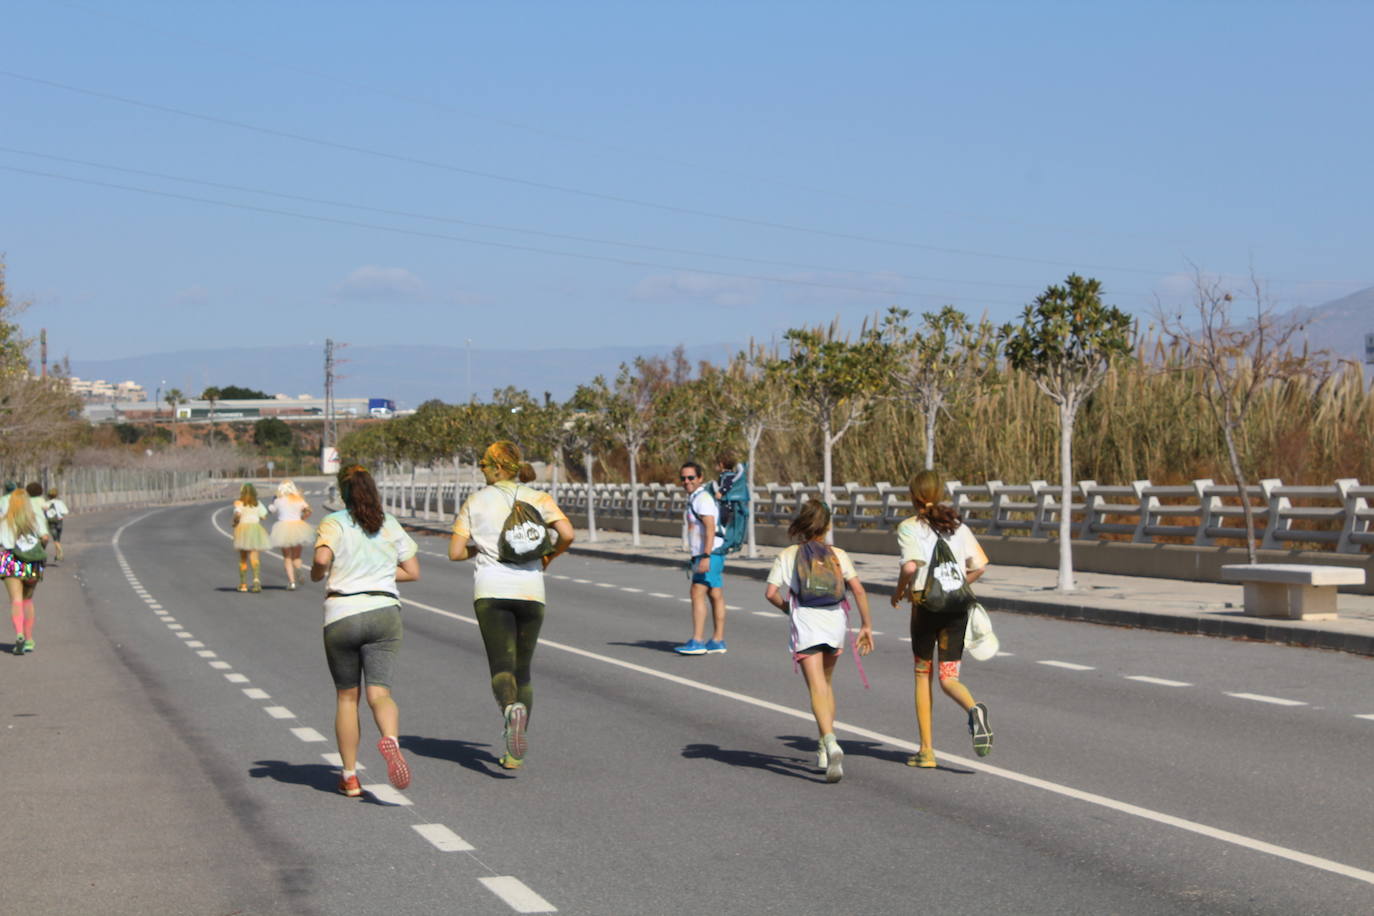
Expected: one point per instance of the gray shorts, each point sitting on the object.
(363, 645)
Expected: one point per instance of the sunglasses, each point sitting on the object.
(686, 477)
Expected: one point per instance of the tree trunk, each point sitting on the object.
(1242, 491)
(749, 482)
(827, 493)
(591, 496)
(932, 414)
(1066, 416)
(634, 498)
(557, 464)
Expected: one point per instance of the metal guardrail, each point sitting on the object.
(84, 488)
(1336, 517)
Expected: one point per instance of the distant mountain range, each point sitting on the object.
(408, 375)
(1340, 325)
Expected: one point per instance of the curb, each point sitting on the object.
(1257, 630)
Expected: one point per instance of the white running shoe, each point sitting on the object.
(834, 765)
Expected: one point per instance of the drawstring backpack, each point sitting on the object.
(524, 536)
(819, 582)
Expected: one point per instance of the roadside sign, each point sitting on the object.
(329, 460)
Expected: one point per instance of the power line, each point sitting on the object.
(564, 189)
(789, 281)
(503, 228)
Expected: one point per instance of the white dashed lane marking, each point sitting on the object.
(195, 644)
(517, 895)
(762, 613)
(184, 635)
(659, 595)
(606, 585)
(1067, 665)
(335, 760)
(221, 666)
(236, 678)
(1261, 698)
(308, 734)
(1162, 682)
(387, 795)
(626, 588)
(256, 693)
(279, 712)
(175, 626)
(207, 653)
(1362, 715)
(444, 840)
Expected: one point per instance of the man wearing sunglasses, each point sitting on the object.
(707, 566)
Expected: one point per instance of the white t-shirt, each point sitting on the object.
(289, 508)
(916, 540)
(705, 506)
(480, 521)
(56, 510)
(362, 563)
(7, 539)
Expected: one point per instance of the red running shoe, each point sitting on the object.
(350, 786)
(397, 772)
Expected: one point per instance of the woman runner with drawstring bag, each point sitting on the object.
(808, 583)
(940, 559)
(505, 527)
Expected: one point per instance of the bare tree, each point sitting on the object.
(1237, 357)
(756, 401)
(948, 357)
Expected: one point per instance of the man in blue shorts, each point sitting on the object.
(707, 566)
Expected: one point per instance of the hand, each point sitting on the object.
(864, 641)
(704, 565)
(896, 599)
(546, 560)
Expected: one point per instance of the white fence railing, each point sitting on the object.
(1336, 517)
(87, 488)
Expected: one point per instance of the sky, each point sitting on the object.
(533, 175)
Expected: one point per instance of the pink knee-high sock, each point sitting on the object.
(17, 616)
(28, 618)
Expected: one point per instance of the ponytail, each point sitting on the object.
(926, 490)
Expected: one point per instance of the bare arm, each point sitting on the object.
(973, 575)
(408, 570)
(319, 567)
(864, 640)
(564, 529)
(904, 580)
(460, 548)
(774, 596)
(708, 538)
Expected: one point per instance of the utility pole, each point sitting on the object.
(329, 453)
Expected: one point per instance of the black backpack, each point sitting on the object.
(819, 580)
(524, 536)
(946, 590)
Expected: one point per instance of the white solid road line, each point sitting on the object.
(444, 839)
(1159, 817)
(1068, 665)
(1261, 698)
(1163, 682)
(517, 896)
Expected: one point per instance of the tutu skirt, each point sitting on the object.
(11, 567)
(292, 534)
(250, 536)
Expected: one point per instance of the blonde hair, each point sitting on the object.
(20, 515)
(287, 488)
(248, 495)
(504, 455)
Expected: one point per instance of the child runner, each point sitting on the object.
(291, 532)
(249, 536)
(55, 512)
(508, 598)
(364, 552)
(807, 582)
(23, 548)
(916, 536)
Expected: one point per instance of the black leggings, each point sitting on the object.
(510, 630)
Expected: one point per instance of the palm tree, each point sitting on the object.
(173, 398)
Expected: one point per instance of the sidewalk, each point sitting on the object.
(1200, 608)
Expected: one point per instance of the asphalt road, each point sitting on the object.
(167, 745)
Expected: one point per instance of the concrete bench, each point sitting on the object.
(1290, 590)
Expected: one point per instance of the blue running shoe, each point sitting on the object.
(691, 647)
(715, 647)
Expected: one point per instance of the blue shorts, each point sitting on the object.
(714, 577)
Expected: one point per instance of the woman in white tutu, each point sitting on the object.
(249, 535)
(291, 531)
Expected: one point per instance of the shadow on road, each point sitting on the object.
(657, 645)
(783, 766)
(467, 754)
(808, 745)
(319, 776)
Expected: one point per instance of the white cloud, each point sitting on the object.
(685, 287)
(389, 284)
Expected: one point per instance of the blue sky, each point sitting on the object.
(776, 164)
